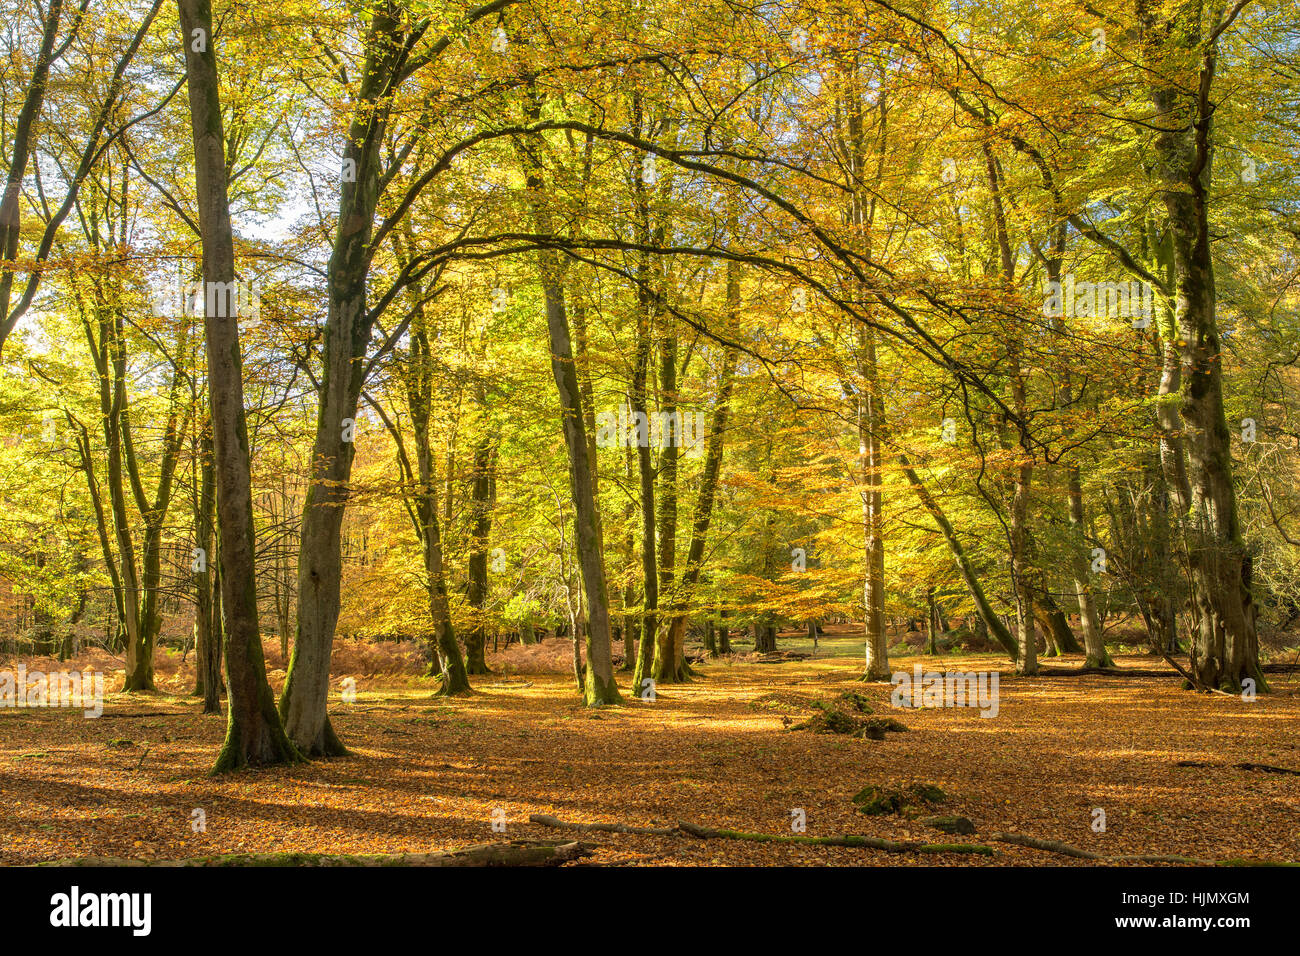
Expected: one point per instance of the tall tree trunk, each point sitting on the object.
(599, 682)
(447, 659)
(348, 325)
(1027, 660)
(871, 437)
(668, 668)
(639, 408)
(1180, 66)
(254, 734)
(1018, 531)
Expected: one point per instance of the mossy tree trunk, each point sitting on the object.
(1180, 60)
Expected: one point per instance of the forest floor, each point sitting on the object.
(427, 773)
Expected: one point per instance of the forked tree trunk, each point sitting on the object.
(347, 334)
(675, 650)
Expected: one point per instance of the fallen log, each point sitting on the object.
(549, 821)
(514, 853)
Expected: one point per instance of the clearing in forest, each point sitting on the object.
(427, 773)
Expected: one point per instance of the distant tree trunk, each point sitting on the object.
(764, 637)
(931, 621)
(871, 438)
(446, 656)
(1027, 660)
(1055, 624)
(1018, 531)
(724, 632)
(85, 454)
(207, 618)
(1093, 641)
(637, 405)
(700, 521)
(254, 734)
(669, 666)
(483, 497)
(631, 622)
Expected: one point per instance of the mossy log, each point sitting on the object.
(514, 853)
(549, 821)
